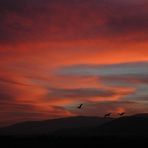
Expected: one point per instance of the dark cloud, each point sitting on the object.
(11, 87)
(85, 93)
(106, 70)
(81, 93)
(128, 24)
(139, 98)
(133, 79)
(57, 20)
(6, 93)
(7, 80)
(12, 105)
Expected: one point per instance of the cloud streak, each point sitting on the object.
(50, 20)
(105, 70)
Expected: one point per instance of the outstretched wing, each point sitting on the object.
(80, 106)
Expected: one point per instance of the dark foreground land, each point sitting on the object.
(78, 131)
(99, 141)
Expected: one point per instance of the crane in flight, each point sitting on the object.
(80, 106)
(122, 114)
(107, 115)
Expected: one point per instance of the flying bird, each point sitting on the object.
(121, 114)
(80, 106)
(108, 115)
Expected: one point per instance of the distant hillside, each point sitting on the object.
(145, 115)
(82, 126)
(126, 125)
(50, 126)
(136, 125)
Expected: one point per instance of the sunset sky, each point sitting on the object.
(57, 54)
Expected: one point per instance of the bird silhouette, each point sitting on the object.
(80, 106)
(121, 114)
(107, 115)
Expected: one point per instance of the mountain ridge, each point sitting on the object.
(81, 126)
(48, 126)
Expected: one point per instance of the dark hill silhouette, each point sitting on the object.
(78, 130)
(136, 125)
(82, 126)
(125, 125)
(49, 126)
(145, 115)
